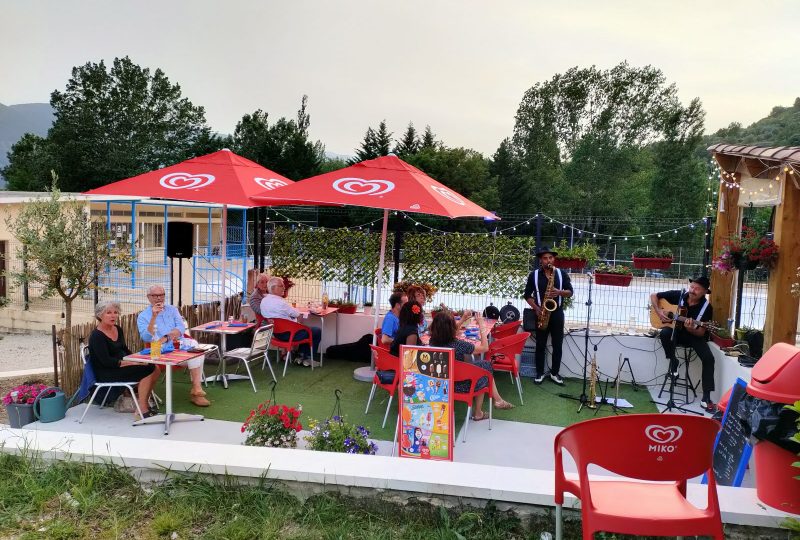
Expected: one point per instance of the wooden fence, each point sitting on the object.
(71, 367)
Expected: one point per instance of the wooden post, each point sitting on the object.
(728, 218)
(782, 307)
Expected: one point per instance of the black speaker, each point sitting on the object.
(180, 239)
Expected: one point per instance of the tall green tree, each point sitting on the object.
(115, 123)
(376, 143)
(63, 247)
(409, 144)
(428, 139)
(284, 146)
(30, 159)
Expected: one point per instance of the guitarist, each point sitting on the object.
(689, 333)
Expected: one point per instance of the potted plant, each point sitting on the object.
(344, 307)
(746, 252)
(367, 308)
(273, 425)
(655, 259)
(618, 276)
(338, 435)
(19, 403)
(722, 337)
(576, 257)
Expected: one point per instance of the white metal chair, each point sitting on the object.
(107, 385)
(257, 350)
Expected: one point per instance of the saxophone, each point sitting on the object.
(593, 383)
(549, 305)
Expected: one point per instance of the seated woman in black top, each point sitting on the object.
(407, 334)
(106, 352)
(444, 334)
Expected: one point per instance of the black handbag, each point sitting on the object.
(529, 320)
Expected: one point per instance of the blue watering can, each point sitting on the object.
(50, 405)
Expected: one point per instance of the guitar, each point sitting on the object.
(676, 316)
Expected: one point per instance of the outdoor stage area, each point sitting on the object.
(511, 463)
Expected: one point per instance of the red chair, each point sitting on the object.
(664, 448)
(379, 340)
(503, 353)
(463, 371)
(281, 326)
(505, 330)
(384, 361)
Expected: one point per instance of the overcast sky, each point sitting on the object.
(460, 66)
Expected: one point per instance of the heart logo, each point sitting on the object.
(663, 434)
(359, 186)
(415, 206)
(449, 195)
(182, 180)
(270, 183)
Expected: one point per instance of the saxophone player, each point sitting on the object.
(546, 287)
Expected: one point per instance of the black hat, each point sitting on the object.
(546, 249)
(703, 282)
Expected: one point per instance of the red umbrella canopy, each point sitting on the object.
(386, 182)
(220, 177)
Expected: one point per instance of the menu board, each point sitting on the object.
(426, 407)
(732, 447)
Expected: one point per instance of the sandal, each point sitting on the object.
(504, 405)
(483, 416)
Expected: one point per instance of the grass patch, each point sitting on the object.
(315, 392)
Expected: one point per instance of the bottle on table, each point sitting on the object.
(325, 300)
(155, 349)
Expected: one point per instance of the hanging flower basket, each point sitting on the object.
(570, 263)
(652, 263)
(617, 280)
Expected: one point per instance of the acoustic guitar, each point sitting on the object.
(676, 316)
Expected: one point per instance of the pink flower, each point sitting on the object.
(30, 401)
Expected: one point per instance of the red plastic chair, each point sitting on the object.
(285, 325)
(379, 340)
(504, 330)
(384, 361)
(669, 448)
(463, 371)
(503, 353)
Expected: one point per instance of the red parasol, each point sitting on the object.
(220, 177)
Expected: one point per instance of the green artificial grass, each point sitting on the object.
(315, 392)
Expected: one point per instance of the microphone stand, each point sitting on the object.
(583, 398)
(673, 375)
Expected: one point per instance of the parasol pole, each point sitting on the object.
(223, 254)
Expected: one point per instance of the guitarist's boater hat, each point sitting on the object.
(703, 282)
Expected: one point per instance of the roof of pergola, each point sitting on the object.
(758, 159)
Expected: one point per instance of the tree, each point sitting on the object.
(409, 144)
(63, 247)
(376, 143)
(29, 160)
(117, 123)
(283, 146)
(516, 196)
(428, 139)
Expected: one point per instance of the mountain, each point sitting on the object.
(16, 120)
(780, 128)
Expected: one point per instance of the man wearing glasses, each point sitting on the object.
(274, 306)
(162, 321)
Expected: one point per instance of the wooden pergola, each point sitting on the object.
(779, 168)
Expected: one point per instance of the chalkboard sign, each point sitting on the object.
(732, 447)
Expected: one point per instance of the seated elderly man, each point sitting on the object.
(274, 306)
(164, 322)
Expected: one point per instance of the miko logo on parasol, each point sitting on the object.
(359, 186)
(447, 194)
(182, 180)
(663, 436)
(270, 183)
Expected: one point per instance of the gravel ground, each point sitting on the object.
(25, 351)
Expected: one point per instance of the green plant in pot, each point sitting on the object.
(652, 259)
(618, 275)
(576, 257)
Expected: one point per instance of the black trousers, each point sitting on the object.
(699, 345)
(554, 330)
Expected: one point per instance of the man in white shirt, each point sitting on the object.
(274, 306)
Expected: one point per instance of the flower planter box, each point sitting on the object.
(346, 310)
(617, 280)
(723, 342)
(19, 414)
(569, 263)
(652, 263)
